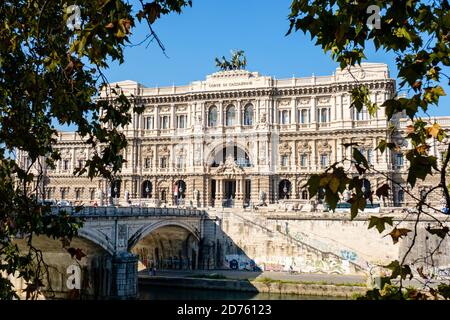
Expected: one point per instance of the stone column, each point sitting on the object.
(239, 201)
(124, 276)
(219, 195)
(239, 113)
(313, 111)
(220, 114)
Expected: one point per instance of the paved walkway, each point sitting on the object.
(251, 275)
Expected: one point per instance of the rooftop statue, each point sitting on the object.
(238, 61)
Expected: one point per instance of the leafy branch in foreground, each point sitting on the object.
(51, 74)
(418, 32)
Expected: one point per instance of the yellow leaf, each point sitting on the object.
(434, 130)
(334, 184)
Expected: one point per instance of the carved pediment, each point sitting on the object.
(229, 167)
(284, 148)
(163, 151)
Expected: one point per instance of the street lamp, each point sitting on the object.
(147, 190)
(115, 193)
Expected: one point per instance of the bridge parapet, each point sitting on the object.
(102, 212)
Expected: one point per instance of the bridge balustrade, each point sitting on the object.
(90, 211)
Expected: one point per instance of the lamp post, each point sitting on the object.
(147, 190)
(115, 194)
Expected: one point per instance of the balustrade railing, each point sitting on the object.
(126, 211)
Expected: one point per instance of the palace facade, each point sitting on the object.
(237, 139)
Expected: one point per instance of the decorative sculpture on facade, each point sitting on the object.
(238, 61)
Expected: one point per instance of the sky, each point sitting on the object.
(211, 28)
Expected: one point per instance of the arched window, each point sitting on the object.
(163, 196)
(284, 189)
(115, 189)
(248, 115)
(212, 116)
(231, 112)
(146, 189)
(305, 195)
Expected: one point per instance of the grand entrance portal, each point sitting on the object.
(230, 193)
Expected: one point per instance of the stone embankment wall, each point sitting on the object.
(325, 243)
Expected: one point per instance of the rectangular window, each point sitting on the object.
(284, 161)
(181, 121)
(303, 159)
(180, 162)
(149, 122)
(63, 194)
(304, 116)
(92, 194)
(66, 165)
(147, 163)
(163, 162)
(165, 122)
(399, 160)
(284, 117)
(323, 160)
(78, 194)
(80, 163)
(369, 156)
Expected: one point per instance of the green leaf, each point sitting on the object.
(379, 222)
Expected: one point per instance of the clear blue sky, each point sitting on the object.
(211, 28)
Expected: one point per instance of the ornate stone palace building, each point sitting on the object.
(238, 139)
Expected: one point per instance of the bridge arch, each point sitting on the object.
(168, 244)
(148, 229)
(97, 238)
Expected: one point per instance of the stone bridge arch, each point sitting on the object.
(98, 238)
(167, 244)
(149, 228)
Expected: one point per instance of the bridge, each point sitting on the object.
(118, 240)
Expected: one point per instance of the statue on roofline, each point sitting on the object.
(238, 61)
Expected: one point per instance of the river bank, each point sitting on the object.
(256, 283)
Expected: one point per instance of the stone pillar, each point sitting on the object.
(239, 201)
(219, 195)
(124, 276)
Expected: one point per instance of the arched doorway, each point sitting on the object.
(284, 189)
(147, 189)
(240, 157)
(115, 189)
(179, 192)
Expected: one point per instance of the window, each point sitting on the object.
(248, 115)
(303, 160)
(305, 195)
(147, 163)
(361, 115)
(399, 160)
(369, 156)
(304, 116)
(284, 117)
(231, 112)
(284, 161)
(163, 162)
(181, 121)
(149, 122)
(78, 194)
(212, 116)
(63, 194)
(180, 162)
(324, 115)
(80, 163)
(66, 165)
(323, 160)
(92, 194)
(165, 122)
(401, 196)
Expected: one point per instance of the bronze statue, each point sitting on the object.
(238, 61)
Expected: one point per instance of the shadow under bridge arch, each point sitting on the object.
(166, 245)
